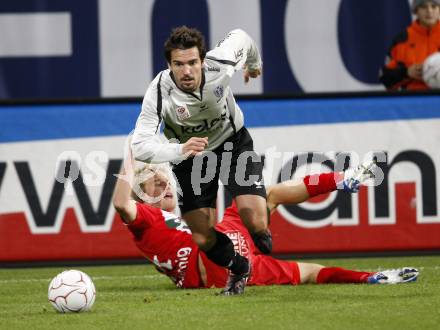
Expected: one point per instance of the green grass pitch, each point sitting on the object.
(137, 297)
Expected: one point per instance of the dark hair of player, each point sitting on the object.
(184, 37)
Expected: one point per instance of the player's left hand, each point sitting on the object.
(248, 73)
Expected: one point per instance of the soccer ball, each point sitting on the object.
(431, 70)
(72, 291)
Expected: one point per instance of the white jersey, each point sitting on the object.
(209, 112)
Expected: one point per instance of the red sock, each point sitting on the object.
(317, 184)
(341, 275)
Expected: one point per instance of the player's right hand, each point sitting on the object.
(194, 146)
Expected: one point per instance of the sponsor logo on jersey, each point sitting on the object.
(218, 91)
(182, 113)
(182, 264)
(213, 68)
(173, 221)
(240, 244)
(206, 125)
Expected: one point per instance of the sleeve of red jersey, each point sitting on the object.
(145, 217)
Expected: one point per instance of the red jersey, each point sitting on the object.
(166, 241)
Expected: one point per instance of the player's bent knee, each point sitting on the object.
(203, 241)
(253, 212)
(254, 221)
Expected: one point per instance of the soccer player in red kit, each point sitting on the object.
(166, 241)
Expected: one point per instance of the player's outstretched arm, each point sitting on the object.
(146, 143)
(240, 51)
(122, 201)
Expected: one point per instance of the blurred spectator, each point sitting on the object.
(404, 63)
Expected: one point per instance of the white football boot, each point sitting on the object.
(355, 177)
(394, 276)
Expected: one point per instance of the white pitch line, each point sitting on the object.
(134, 277)
(95, 278)
(380, 269)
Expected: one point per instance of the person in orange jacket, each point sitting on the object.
(403, 69)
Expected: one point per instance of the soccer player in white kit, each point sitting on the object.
(193, 99)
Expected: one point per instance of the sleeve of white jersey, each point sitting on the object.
(146, 143)
(238, 49)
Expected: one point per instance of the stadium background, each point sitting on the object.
(64, 67)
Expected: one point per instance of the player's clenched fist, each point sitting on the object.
(248, 73)
(194, 146)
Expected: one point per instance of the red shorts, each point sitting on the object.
(265, 271)
(269, 271)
